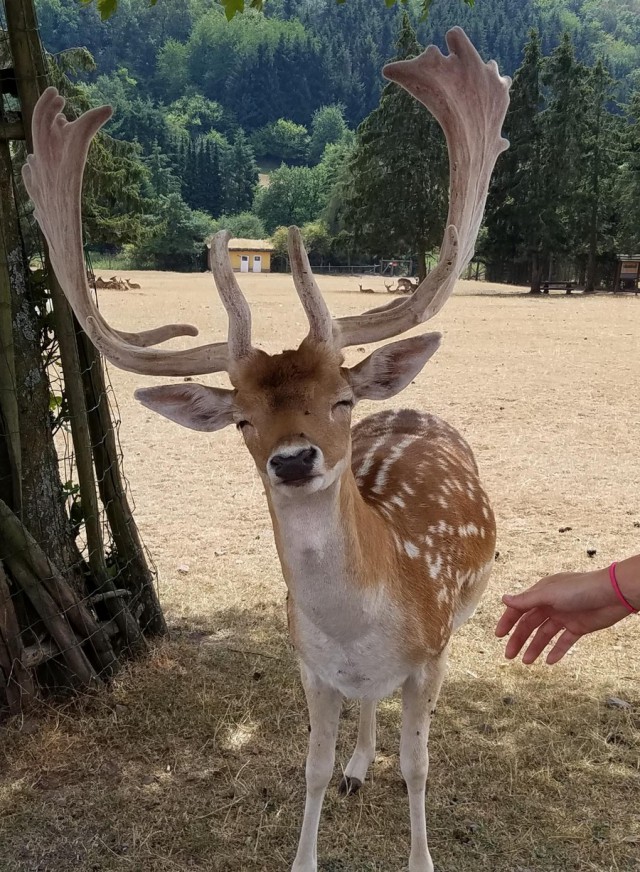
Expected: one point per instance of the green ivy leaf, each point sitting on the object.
(107, 8)
(232, 8)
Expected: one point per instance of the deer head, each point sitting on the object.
(294, 408)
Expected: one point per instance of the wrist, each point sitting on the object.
(625, 587)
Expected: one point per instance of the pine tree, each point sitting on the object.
(215, 187)
(397, 202)
(241, 175)
(515, 212)
(565, 129)
(628, 184)
(162, 179)
(601, 165)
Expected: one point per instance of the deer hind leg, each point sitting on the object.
(470, 598)
(324, 704)
(419, 696)
(365, 751)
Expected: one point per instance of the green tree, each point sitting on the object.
(241, 175)
(565, 129)
(175, 239)
(283, 140)
(628, 182)
(196, 116)
(172, 70)
(398, 185)
(601, 139)
(244, 225)
(516, 205)
(295, 196)
(233, 7)
(327, 127)
(317, 240)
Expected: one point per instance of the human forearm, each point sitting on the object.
(570, 604)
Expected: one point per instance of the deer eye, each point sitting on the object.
(347, 404)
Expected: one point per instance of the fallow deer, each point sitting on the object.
(384, 532)
(406, 286)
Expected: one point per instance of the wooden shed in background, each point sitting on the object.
(627, 273)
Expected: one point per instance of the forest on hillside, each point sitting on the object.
(208, 104)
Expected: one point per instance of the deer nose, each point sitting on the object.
(293, 467)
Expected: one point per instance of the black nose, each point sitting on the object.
(293, 467)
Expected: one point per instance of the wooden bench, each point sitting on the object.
(563, 286)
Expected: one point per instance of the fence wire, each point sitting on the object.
(71, 607)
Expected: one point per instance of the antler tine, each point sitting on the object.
(53, 178)
(320, 320)
(469, 99)
(233, 300)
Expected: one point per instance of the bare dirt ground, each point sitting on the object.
(195, 759)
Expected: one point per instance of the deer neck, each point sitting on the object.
(329, 541)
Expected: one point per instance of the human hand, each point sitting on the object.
(570, 603)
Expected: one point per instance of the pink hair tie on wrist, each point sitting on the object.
(616, 587)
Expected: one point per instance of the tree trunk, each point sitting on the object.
(10, 453)
(422, 260)
(69, 616)
(536, 273)
(42, 502)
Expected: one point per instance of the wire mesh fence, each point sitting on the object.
(77, 588)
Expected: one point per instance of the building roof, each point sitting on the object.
(247, 244)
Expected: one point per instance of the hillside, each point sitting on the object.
(205, 109)
(333, 53)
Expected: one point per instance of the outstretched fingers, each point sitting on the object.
(507, 622)
(541, 629)
(526, 625)
(543, 636)
(566, 641)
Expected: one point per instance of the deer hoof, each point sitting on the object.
(349, 786)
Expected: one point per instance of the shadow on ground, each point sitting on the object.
(194, 760)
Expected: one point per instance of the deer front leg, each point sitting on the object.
(324, 704)
(365, 751)
(419, 696)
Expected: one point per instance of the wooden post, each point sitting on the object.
(112, 492)
(18, 683)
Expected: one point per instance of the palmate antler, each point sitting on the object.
(467, 97)
(53, 178)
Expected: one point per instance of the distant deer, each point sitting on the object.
(132, 285)
(406, 286)
(366, 290)
(389, 287)
(384, 532)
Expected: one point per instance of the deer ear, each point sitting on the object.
(192, 405)
(390, 369)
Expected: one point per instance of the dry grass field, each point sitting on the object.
(195, 759)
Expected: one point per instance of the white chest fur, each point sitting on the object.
(345, 634)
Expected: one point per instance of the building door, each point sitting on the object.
(257, 263)
(244, 263)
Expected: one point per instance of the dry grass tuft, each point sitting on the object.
(195, 759)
